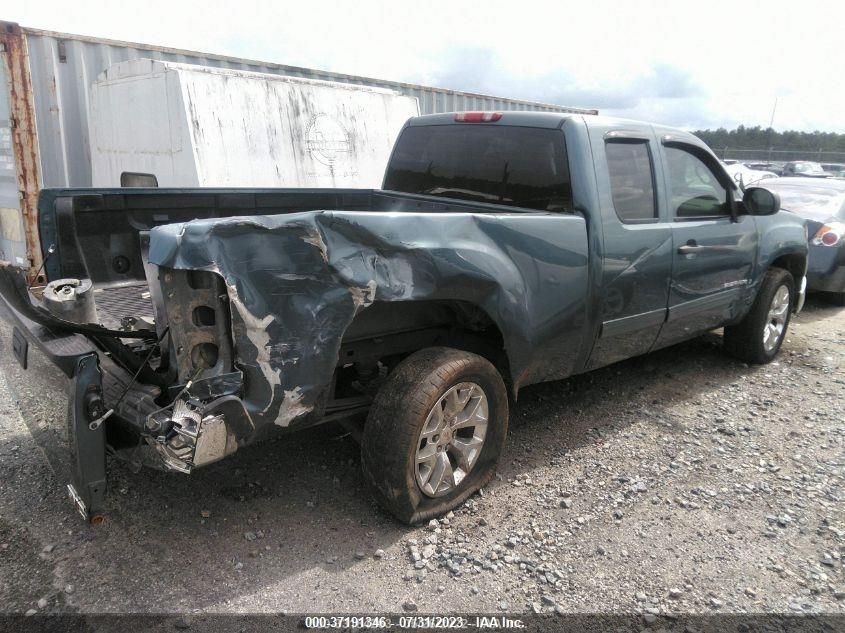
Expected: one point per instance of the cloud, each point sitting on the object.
(483, 69)
(680, 63)
(669, 82)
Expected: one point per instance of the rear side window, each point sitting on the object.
(515, 166)
(631, 180)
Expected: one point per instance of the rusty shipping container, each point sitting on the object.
(45, 82)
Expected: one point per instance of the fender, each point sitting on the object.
(295, 282)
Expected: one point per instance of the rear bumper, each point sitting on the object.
(96, 383)
(833, 281)
(63, 349)
(826, 268)
(77, 359)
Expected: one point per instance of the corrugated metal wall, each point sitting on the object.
(63, 68)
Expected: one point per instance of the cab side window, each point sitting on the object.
(694, 189)
(631, 180)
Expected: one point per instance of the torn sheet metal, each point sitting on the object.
(296, 282)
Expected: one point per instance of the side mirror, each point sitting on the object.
(759, 201)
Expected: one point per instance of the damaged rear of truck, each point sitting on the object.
(191, 323)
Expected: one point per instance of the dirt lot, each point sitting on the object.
(683, 481)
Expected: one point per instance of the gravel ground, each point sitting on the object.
(682, 481)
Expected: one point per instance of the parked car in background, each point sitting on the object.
(837, 170)
(744, 175)
(822, 204)
(776, 167)
(805, 168)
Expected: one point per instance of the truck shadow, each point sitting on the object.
(569, 414)
(819, 306)
(578, 410)
(556, 418)
(297, 504)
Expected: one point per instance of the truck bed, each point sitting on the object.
(300, 269)
(88, 226)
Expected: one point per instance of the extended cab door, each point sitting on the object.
(637, 236)
(713, 250)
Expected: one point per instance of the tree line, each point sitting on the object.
(761, 138)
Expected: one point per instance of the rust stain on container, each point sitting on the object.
(24, 136)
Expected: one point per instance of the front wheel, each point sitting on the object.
(758, 337)
(434, 433)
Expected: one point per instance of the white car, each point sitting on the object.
(742, 174)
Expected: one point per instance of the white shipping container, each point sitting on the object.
(196, 126)
(45, 110)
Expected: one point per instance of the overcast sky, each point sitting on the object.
(694, 64)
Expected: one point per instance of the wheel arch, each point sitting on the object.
(795, 263)
(400, 328)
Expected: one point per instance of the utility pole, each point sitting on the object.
(771, 123)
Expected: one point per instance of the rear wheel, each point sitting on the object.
(758, 337)
(434, 433)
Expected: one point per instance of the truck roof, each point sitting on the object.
(525, 119)
(556, 119)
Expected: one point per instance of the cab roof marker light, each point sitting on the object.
(477, 117)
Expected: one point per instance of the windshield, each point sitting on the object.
(516, 166)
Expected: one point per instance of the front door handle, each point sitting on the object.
(690, 248)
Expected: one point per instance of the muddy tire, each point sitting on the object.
(427, 445)
(758, 337)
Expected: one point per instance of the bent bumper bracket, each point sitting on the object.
(87, 445)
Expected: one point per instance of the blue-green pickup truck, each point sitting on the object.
(504, 249)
